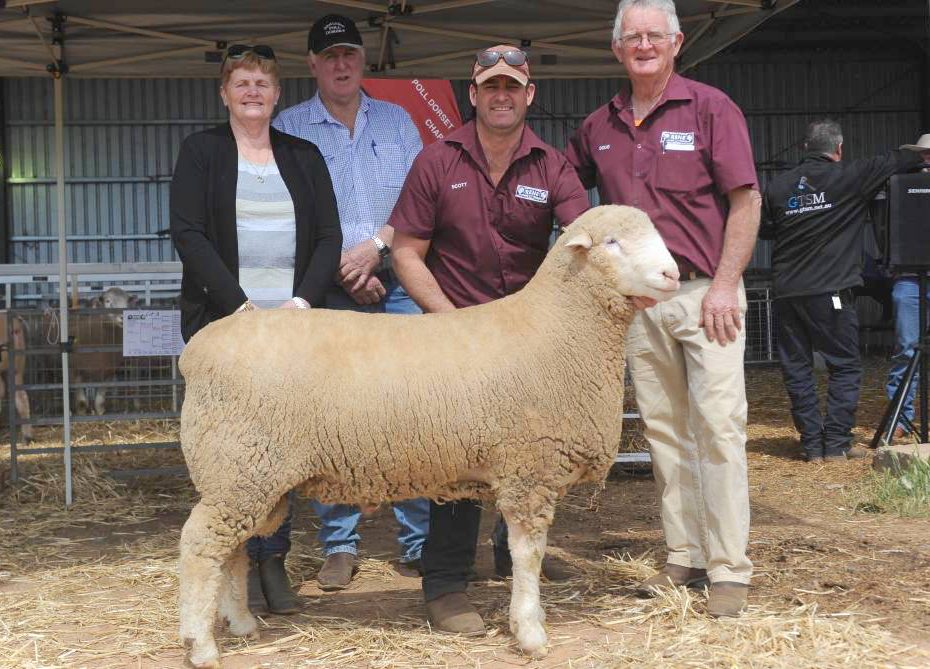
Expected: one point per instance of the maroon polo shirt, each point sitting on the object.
(678, 165)
(486, 241)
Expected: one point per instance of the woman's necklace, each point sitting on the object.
(257, 173)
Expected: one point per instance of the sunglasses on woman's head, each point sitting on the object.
(238, 51)
(514, 57)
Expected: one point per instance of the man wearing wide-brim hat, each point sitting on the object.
(905, 295)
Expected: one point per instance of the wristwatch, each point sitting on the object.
(383, 249)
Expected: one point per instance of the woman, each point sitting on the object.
(254, 221)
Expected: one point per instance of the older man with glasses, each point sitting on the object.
(680, 151)
(472, 225)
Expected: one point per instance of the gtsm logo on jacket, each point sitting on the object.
(806, 199)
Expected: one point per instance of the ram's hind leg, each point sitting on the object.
(206, 543)
(233, 598)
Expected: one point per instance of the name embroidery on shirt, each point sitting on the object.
(532, 194)
(603, 147)
(677, 141)
(460, 184)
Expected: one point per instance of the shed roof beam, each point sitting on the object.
(697, 34)
(48, 47)
(11, 4)
(494, 39)
(757, 4)
(141, 58)
(420, 9)
(23, 64)
(120, 28)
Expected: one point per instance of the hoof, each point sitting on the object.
(204, 663)
(205, 657)
(246, 627)
(532, 640)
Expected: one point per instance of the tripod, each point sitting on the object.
(893, 411)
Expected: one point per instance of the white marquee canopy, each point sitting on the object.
(425, 38)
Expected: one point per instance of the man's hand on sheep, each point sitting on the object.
(357, 265)
(720, 313)
(641, 303)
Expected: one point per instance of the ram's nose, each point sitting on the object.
(671, 276)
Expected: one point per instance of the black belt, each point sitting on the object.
(386, 275)
(688, 271)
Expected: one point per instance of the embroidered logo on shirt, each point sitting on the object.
(677, 141)
(603, 147)
(806, 198)
(460, 184)
(532, 194)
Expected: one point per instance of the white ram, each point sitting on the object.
(513, 400)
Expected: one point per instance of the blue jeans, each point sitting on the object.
(279, 543)
(904, 295)
(338, 522)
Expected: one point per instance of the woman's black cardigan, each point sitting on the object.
(203, 222)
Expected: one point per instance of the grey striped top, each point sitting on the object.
(267, 232)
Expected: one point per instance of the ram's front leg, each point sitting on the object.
(527, 547)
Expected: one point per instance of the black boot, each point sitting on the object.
(257, 603)
(277, 586)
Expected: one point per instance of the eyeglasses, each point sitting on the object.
(240, 51)
(635, 39)
(489, 58)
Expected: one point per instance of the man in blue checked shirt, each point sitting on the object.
(369, 145)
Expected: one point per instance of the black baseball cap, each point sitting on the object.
(333, 30)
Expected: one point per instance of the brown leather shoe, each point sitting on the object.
(556, 569)
(852, 453)
(858, 452)
(337, 571)
(672, 575)
(454, 614)
(726, 599)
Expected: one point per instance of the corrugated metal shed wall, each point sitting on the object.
(122, 137)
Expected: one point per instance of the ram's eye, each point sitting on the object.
(611, 240)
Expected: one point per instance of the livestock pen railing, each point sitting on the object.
(31, 285)
(106, 385)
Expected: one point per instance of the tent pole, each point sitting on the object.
(63, 282)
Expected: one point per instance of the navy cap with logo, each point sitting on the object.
(333, 30)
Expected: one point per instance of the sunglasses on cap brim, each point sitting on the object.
(239, 51)
(514, 57)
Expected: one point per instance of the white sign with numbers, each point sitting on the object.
(151, 332)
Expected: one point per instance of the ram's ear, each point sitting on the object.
(580, 241)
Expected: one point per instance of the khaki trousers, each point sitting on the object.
(692, 396)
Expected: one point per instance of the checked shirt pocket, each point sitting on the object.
(392, 169)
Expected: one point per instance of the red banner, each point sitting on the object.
(430, 103)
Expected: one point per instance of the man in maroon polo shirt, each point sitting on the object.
(472, 224)
(680, 151)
